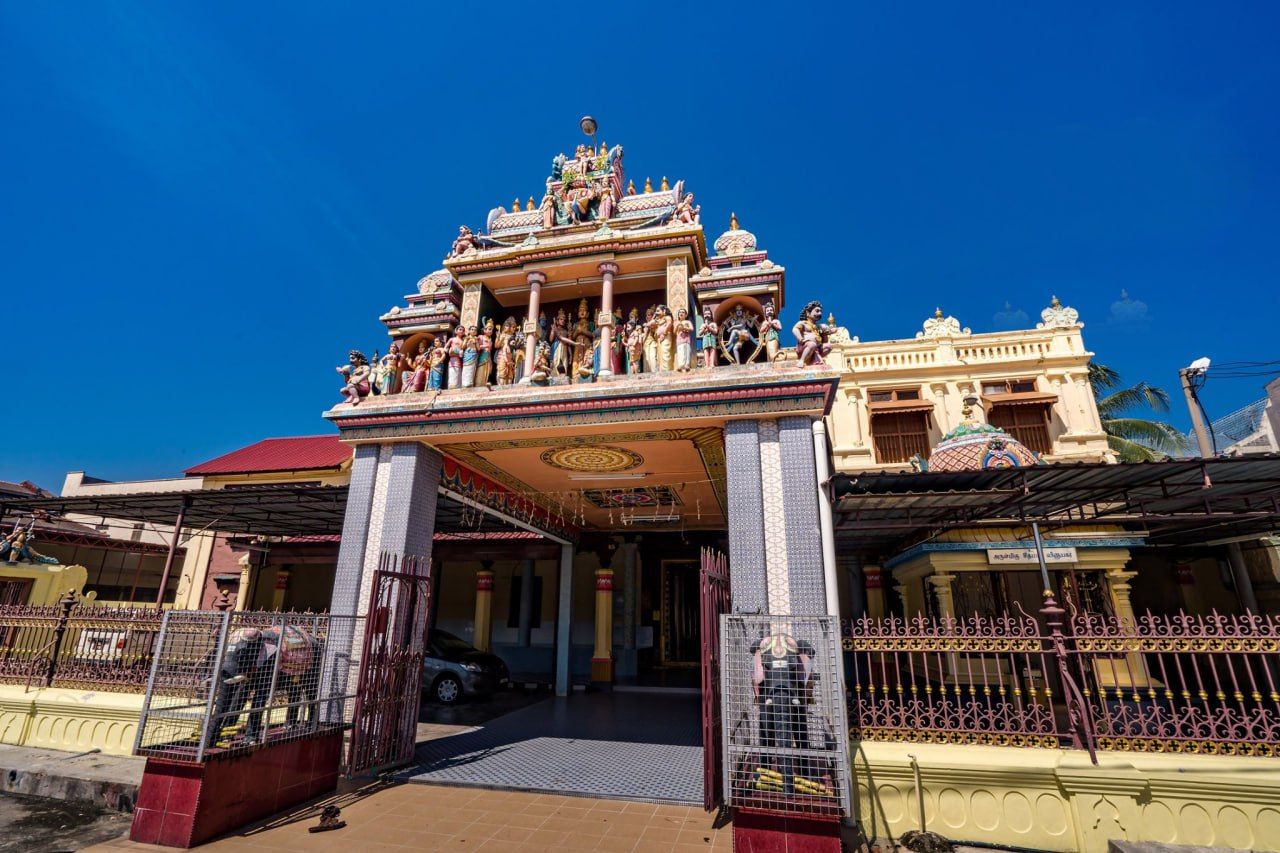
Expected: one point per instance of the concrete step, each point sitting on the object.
(109, 781)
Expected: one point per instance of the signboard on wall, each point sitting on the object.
(1021, 556)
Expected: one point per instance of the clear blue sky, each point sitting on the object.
(205, 205)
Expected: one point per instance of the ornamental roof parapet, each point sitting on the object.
(939, 326)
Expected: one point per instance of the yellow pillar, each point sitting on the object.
(602, 656)
(1133, 671)
(484, 609)
(871, 575)
(282, 586)
(941, 583)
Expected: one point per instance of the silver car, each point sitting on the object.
(453, 669)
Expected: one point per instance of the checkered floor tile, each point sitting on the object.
(643, 746)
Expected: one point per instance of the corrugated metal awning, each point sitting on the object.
(1021, 398)
(900, 406)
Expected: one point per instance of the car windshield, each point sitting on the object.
(446, 642)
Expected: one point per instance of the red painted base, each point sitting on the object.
(182, 805)
(756, 832)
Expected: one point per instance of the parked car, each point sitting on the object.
(453, 669)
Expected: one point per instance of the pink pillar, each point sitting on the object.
(536, 280)
(608, 270)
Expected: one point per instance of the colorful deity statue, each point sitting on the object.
(16, 547)
(503, 361)
(386, 372)
(561, 345)
(356, 375)
(617, 344)
(541, 373)
(684, 341)
(771, 331)
(547, 210)
(417, 380)
(518, 338)
(470, 356)
(740, 341)
(685, 212)
(651, 339)
(464, 241)
(708, 337)
(456, 346)
(812, 335)
(633, 338)
(436, 362)
(583, 342)
(484, 353)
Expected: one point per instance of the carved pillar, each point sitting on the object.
(536, 280)
(677, 285)
(608, 270)
(602, 655)
(873, 576)
(484, 607)
(942, 594)
(1134, 672)
(470, 313)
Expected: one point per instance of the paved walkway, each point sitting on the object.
(432, 817)
(642, 746)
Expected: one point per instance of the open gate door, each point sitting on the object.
(385, 723)
(714, 589)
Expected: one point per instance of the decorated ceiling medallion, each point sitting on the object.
(600, 459)
(646, 496)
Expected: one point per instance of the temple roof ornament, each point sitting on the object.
(939, 326)
(975, 446)
(1059, 316)
(735, 241)
(438, 281)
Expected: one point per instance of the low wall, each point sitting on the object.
(72, 720)
(1050, 799)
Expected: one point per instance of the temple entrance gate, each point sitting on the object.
(384, 726)
(713, 601)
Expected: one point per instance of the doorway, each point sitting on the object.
(681, 637)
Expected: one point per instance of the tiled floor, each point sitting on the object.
(433, 817)
(645, 746)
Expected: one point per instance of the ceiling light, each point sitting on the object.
(603, 476)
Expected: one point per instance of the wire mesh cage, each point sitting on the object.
(785, 738)
(224, 683)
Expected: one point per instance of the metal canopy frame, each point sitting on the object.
(277, 509)
(1173, 502)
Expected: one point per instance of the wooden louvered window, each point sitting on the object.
(1027, 422)
(900, 435)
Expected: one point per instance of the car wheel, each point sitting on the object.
(447, 690)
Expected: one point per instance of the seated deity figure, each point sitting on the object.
(420, 365)
(470, 356)
(708, 337)
(457, 345)
(684, 341)
(464, 241)
(685, 213)
(740, 338)
(484, 353)
(355, 374)
(436, 363)
(771, 331)
(541, 363)
(812, 335)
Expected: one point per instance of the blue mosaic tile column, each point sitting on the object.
(355, 530)
(799, 485)
(409, 520)
(747, 579)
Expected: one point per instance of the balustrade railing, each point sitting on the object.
(1180, 683)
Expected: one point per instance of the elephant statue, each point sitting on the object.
(244, 677)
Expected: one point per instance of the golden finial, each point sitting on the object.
(937, 313)
(530, 205)
(733, 222)
(515, 205)
(831, 318)
(1054, 303)
(631, 187)
(665, 185)
(648, 185)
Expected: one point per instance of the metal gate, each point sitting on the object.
(714, 598)
(384, 726)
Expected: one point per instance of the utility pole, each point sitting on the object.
(1197, 419)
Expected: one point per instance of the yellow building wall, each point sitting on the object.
(72, 720)
(1047, 799)
(49, 582)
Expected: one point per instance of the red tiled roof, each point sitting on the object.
(294, 453)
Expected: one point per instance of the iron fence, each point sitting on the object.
(785, 742)
(77, 645)
(1180, 683)
(223, 683)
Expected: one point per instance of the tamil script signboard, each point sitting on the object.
(1019, 556)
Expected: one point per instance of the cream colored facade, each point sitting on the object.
(946, 363)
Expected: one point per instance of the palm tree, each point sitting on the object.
(1134, 439)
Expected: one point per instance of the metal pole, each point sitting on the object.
(822, 465)
(173, 549)
(1203, 441)
(1044, 569)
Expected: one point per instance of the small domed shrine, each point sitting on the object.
(976, 446)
